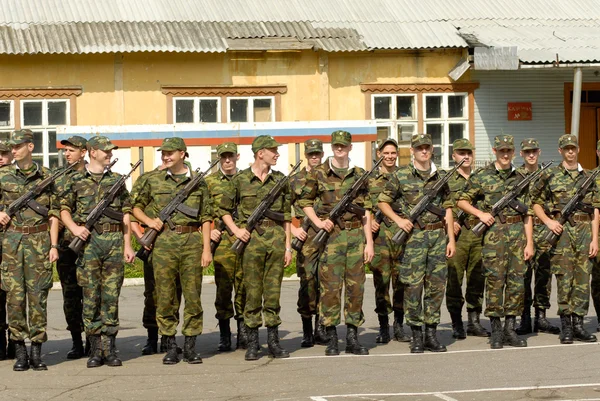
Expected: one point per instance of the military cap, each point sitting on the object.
(567, 140)
(173, 143)
(264, 142)
(530, 144)
(462, 144)
(101, 142)
(504, 142)
(76, 141)
(313, 146)
(420, 139)
(4, 147)
(341, 138)
(227, 147)
(20, 136)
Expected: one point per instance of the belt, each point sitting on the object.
(349, 225)
(431, 226)
(471, 222)
(269, 223)
(29, 229)
(512, 219)
(581, 218)
(186, 229)
(108, 228)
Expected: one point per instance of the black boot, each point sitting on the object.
(384, 330)
(497, 337)
(224, 337)
(36, 357)
(352, 344)
(111, 358)
(151, 346)
(308, 339)
(399, 334)
(458, 330)
(2, 345)
(431, 342)
(252, 343)
(474, 327)
(320, 334)
(88, 347)
(510, 335)
(525, 325)
(96, 358)
(566, 335)
(189, 349)
(164, 346)
(77, 350)
(275, 349)
(22, 362)
(242, 335)
(10, 349)
(172, 356)
(333, 346)
(579, 332)
(416, 343)
(541, 324)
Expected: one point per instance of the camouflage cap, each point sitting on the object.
(567, 140)
(264, 142)
(172, 143)
(227, 147)
(77, 141)
(313, 146)
(504, 142)
(4, 147)
(20, 136)
(530, 144)
(462, 144)
(420, 139)
(101, 142)
(341, 138)
(387, 141)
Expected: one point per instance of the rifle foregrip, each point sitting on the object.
(238, 246)
(148, 238)
(143, 254)
(76, 244)
(479, 229)
(213, 246)
(552, 238)
(297, 245)
(400, 237)
(321, 238)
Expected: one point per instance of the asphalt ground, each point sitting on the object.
(545, 370)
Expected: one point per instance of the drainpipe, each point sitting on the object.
(576, 102)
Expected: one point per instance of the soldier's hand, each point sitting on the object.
(593, 249)
(299, 233)
(156, 224)
(555, 227)
(326, 225)
(61, 225)
(487, 219)
(368, 253)
(81, 232)
(53, 255)
(4, 218)
(242, 234)
(450, 250)
(287, 259)
(375, 226)
(129, 254)
(456, 228)
(215, 235)
(406, 225)
(206, 258)
(528, 252)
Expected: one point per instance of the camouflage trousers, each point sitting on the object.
(262, 262)
(342, 266)
(466, 262)
(540, 264)
(423, 270)
(595, 285)
(385, 271)
(178, 255)
(504, 269)
(3, 325)
(71, 291)
(572, 267)
(228, 278)
(307, 265)
(100, 273)
(26, 278)
(149, 313)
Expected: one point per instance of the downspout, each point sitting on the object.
(576, 102)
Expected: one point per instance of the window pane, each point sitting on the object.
(32, 113)
(405, 132)
(456, 106)
(433, 107)
(5, 115)
(57, 113)
(383, 133)
(208, 110)
(52, 141)
(457, 131)
(54, 161)
(238, 110)
(184, 111)
(262, 110)
(436, 130)
(38, 142)
(405, 106)
(381, 107)
(593, 97)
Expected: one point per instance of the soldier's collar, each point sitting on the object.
(512, 167)
(579, 168)
(88, 172)
(434, 168)
(350, 164)
(188, 173)
(37, 166)
(225, 175)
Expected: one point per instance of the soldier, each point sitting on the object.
(467, 260)
(540, 263)
(182, 250)
(423, 266)
(5, 161)
(100, 268)
(264, 258)
(307, 260)
(28, 251)
(228, 271)
(384, 264)
(571, 257)
(595, 285)
(506, 245)
(341, 263)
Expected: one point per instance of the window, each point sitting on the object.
(7, 118)
(250, 109)
(197, 110)
(396, 117)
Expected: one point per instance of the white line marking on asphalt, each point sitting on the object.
(444, 397)
(466, 351)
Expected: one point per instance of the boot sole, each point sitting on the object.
(40, 369)
(419, 351)
(566, 342)
(585, 341)
(279, 356)
(170, 362)
(251, 359)
(21, 369)
(349, 351)
(516, 345)
(193, 362)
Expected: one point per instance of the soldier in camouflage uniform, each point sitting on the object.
(342, 260)
(307, 260)
(385, 262)
(28, 251)
(506, 244)
(571, 258)
(467, 260)
(228, 271)
(423, 266)
(182, 250)
(540, 263)
(100, 268)
(595, 284)
(264, 258)
(5, 161)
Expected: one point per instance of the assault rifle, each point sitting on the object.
(510, 199)
(576, 202)
(297, 243)
(426, 204)
(263, 210)
(380, 217)
(222, 227)
(103, 207)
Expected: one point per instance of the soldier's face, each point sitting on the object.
(270, 156)
(229, 162)
(341, 151)
(531, 156)
(171, 158)
(22, 150)
(423, 153)
(389, 154)
(314, 158)
(463, 154)
(5, 158)
(73, 154)
(569, 153)
(504, 157)
(101, 156)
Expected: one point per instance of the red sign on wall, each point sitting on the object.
(519, 111)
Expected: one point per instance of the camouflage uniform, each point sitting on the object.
(595, 283)
(3, 325)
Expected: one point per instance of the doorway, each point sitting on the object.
(589, 121)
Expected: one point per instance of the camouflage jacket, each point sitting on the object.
(297, 185)
(60, 189)
(219, 185)
(137, 187)
(377, 183)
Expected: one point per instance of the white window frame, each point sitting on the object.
(250, 109)
(11, 126)
(195, 109)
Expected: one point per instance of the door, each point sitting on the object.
(588, 136)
